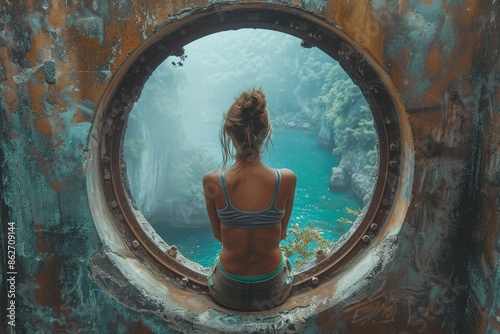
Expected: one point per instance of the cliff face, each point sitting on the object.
(164, 169)
(351, 174)
(347, 127)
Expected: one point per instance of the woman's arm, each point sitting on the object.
(211, 188)
(288, 182)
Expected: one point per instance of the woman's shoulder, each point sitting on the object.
(211, 183)
(288, 176)
(212, 175)
(285, 172)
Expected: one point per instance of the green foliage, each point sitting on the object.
(304, 243)
(348, 114)
(351, 212)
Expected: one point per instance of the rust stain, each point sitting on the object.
(433, 62)
(296, 2)
(400, 74)
(54, 185)
(139, 328)
(402, 6)
(40, 42)
(43, 126)
(41, 246)
(467, 39)
(326, 321)
(42, 165)
(58, 143)
(48, 292)
(57, 15)
(36, 91)
(9, 91)
(357, 19)
(164, 10)
(493, 321)
(79, 117)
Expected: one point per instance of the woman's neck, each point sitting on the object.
(243, 163)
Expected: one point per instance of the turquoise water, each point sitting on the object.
(314, 202)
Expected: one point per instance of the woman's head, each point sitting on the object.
(247, 124)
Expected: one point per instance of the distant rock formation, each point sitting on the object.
(350, 174)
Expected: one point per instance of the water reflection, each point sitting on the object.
(320, 121)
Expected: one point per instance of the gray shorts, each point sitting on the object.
(250, 296)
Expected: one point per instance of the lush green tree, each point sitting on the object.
(349, 116)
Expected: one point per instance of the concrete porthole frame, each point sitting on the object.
(120, 225)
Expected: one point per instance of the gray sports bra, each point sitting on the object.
(235, 218)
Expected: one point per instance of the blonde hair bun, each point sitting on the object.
(252, 103)
(247, 121)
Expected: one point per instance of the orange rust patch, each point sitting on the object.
(54, 185)
(10, 90)
(36, 91)
(433, 62)
(358, 21)
(399, 72)
(58, 143)
(48, 293)
(78, 117)
(326, 320)
(56, 16)
(402, 6)
(468, 38)
(41, 245)
(40, 44)
(139, 328)
(43, 126)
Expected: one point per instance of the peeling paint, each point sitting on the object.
(25, 75)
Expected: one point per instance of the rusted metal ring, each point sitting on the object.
(125, 90)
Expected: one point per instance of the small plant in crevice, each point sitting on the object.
(302, 243)
(351, 212)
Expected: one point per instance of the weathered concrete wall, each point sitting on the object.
(443, 272)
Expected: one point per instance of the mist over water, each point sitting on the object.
(172, 138)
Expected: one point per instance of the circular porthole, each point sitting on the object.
(170, 40)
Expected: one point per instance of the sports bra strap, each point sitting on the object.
(235, 218)
(224, 188)
(277, 186)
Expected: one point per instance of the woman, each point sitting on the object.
(249, 205)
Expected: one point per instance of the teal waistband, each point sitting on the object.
(252, 279)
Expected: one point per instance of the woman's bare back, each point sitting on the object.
(250, 252)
